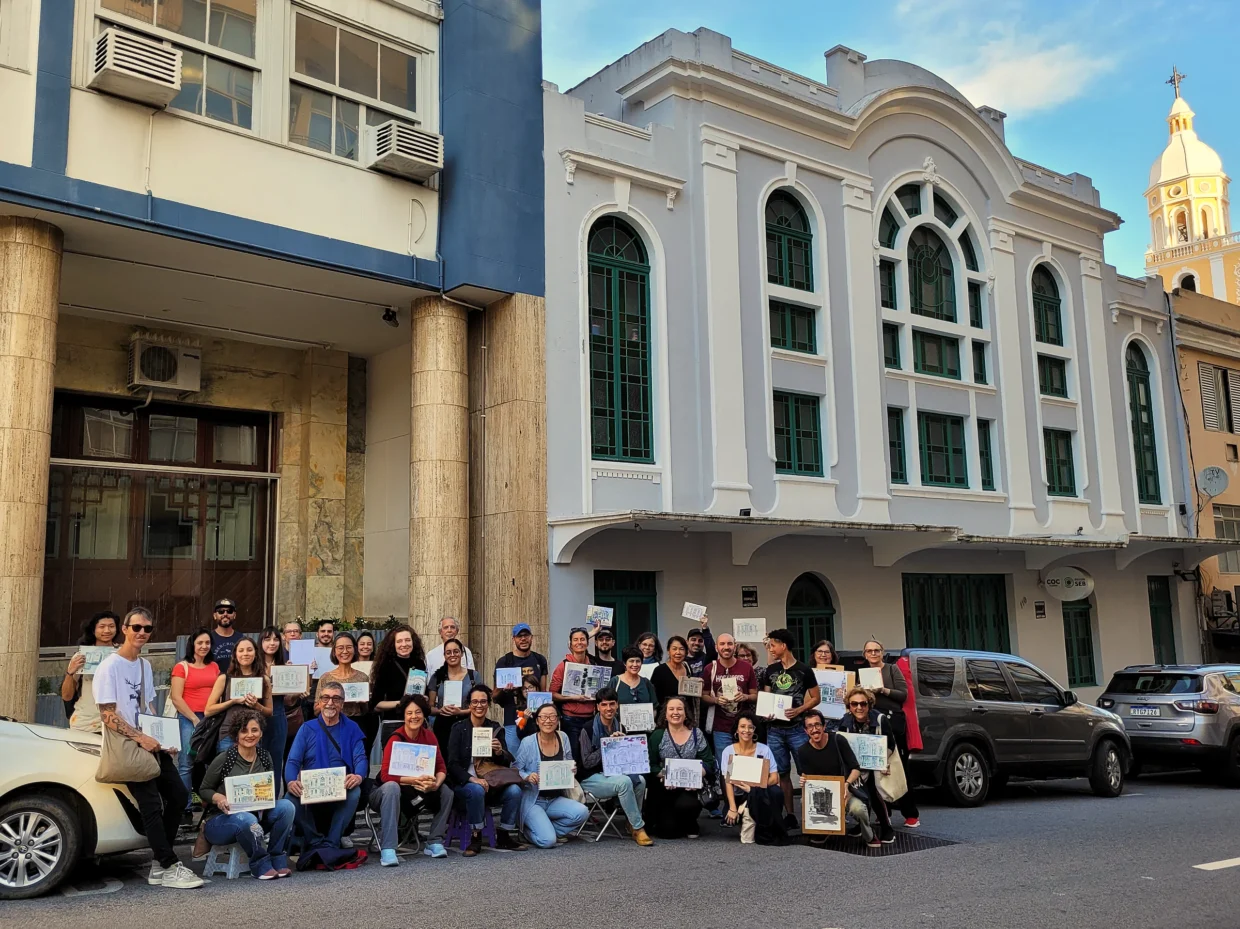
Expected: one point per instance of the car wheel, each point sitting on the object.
(1231, 765)
(1106, 770)
(40, 840)
(968, 775)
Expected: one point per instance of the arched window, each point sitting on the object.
(1181, 226)
(1047, 307)
(1188, 282)
(1205, 223)
(620, 403)
(931, 284)
(1141, 412)
(811, 615)
(789, 243)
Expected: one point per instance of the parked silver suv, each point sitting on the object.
(1180, 713)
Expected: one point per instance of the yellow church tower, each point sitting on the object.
(1192, 245)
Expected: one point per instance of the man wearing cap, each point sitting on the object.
(531, 664)
(224, 637)
(605, 650)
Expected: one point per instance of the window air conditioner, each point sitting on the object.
(164, 362)
(135, 67)
(398, 148)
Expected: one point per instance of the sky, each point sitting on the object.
(1082, 81)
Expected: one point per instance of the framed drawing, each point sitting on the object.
(822, 804)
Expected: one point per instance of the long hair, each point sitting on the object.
(88, 628)
(257, 669)
(658, 646)
(357, 644)
(387, 651)
(271, 632)
(189, 646)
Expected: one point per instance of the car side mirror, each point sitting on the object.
(1070, 698)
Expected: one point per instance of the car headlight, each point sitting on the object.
(85, 748)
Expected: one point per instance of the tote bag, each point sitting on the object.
(893, 785)
(121, 759)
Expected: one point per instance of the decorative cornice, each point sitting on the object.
(665, 183)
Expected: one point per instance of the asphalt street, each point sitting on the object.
(1045, 855)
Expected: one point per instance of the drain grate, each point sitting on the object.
(905, 842)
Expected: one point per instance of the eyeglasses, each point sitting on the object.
(333, 699)
(226, 609)
(853, 703)
(140, 628)
(873, 651)
(813, 725)
(479, 702)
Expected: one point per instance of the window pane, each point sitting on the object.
(235, 445)
(309, 118)
(138, 9)
(986, 681)
(184, 17)
(398, 77)
(346, 128)
(314, 53)
(99, 508)
(190, 98)
(359, 64)
(173, 438)
(231, 512)
(172, 505)
(1031, 685)
(230, 93)
(232, 25)
(107, 433)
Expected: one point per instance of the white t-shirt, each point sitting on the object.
(119, 680)
(761, 750)
(434, 660)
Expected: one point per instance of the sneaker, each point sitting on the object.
(790, 822)
(387, 858)
(269, 875)
(889, 836)
(874, 842)
(157, 873)
(854, 832)
(284, 872)
(346, 842)
(912, 822)
(181, 877)
(435, 850)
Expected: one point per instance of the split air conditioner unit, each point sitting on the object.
(164, 362)
(135, 67)
(398, 148)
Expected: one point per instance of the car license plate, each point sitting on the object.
(1143, 711)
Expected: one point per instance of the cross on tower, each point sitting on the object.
(1176, 78)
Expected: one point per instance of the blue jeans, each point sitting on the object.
(622, 787)
(783, 742)
(275, 740)
(184, 765)
(342, 813)
(246, 829)
(472, 798)
(512, 739)
(547, 818)
(225, 744)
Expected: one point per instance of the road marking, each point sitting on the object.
(1218, 865)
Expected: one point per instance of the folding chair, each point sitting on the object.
(602, 818)
(407, 835)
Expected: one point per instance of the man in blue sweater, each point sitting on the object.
(330, 741)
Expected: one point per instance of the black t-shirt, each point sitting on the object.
(534, 664)
(835, 759)
(222, 648)
(795, 682)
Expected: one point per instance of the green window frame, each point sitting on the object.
(932, 282)
(1141, 416)
(887, 284)
(1060, 468)
(1052, 376)
(910, 198)
(789, 243)
(888, 229)
(793, 327)
(961, 611)
(634, 597)
(810, 613)
(979, 363)
(621, 406)
(969, 252)
(976, 317)
(1078, 637)
(985, 454)
(936, 354)
(940, 440)
(943, 211)
(895, 445)
(1047, 307)
(891, 345)
(798, 434)
(1162, 622)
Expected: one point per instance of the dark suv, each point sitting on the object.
(985, 717)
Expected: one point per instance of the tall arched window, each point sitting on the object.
(1181, 226)
(1047, 307)
(1188, 282)
(931, 282)
(1205, 223)
(810, 615)
(1141, 412)
(789, 243)
(620, 397)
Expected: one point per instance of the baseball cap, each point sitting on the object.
(604, 632)
(231, 604)
(520, 628)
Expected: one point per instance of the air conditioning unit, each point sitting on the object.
(135, 67)
(398, 148)
(165, 362)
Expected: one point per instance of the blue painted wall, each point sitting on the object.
(51, 94)
(492, 185)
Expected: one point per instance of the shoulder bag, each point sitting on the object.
(121, 759)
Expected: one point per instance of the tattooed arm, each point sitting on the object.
(113, 720)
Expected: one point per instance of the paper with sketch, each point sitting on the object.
(625, 754)
(507, 676)
(871, 750)
(683, 772)
(481, 745)
(322, 785)
(749, 770)
(647, 670)
(247, 793)
(772, 706)
(693, 611)
(357, 693)
(637, 717)
(729, 688)
(94, 654)
(239, 687)
(536, 698)
(597, 616)
(165, 730)
(555, 775)
(831, 688)
(412, 759)
(584, 680)
(416, 684)
(870, 678)
(451, 693)
(304, 651)
(290, 679)
(690, 687)
(749, 629)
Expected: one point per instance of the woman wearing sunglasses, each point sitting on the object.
(889, 700)
(864, 719)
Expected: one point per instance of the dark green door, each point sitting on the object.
(956, 611)
(811, 615)
(633, 596)
(1162, 625)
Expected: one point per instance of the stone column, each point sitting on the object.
(30, 253)
(323, 440)
(1093, 355)
(439, 468)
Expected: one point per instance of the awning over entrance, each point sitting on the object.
(889, 542)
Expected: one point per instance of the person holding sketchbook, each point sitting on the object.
(795, 680)
(525, 662)
(245, 664)
(667, 677)
(763, 800)
(890, 699)
(629, 790)
(829, 754)
(399, 653)
(447, 688)
(275, 735)
(630, 686)
(221, 826)
(102, 630)
(548, 816)
(862, 718)
(397, 791)
(578, 710)
(483, 780)
(605, 650)
(672, 812)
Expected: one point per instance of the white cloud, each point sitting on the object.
(1021, 79)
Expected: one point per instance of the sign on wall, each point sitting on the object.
(1068, 583)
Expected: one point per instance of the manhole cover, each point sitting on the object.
(905, 842)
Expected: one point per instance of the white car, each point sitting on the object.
(53, 811)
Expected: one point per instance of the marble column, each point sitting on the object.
(30, 253)
(323, 437)
(439, 468)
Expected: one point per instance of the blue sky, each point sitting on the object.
(1080, 80)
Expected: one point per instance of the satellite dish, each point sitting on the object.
(1212, 481)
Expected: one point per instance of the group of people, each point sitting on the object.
(287, 734)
